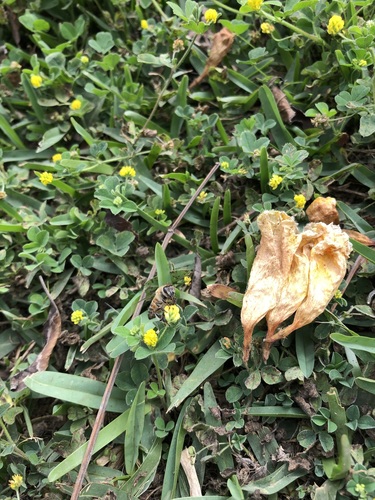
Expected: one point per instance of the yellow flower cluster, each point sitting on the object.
(57, 157)
(76, 105)
(300, 200)
(211, 15)
(267, 28)
(16, 482)
(127, 171)
(275, 181)
(172, 314)
(159, 211)
(144, 24)
(46, 178)
(187, 280)
(254, 4)
(150, 338)
(202, 196)
(224, 165)
(335, 25)
(36, 81)
(76, 316)
(84, 59)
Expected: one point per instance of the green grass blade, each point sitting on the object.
(143, 476)
(71, 388)
(207, 365)
(7, 130)
(12, 228)
(280, 134)
(134, 429)
(227, 207)
(367, 252)
(83, 132)
(32, 95)
(174, 457)
(214, 220)
(264, 171)
(162, 266)
(360, 224)
(12, 212)
(106, 436)
(274, 482)
(180, 100)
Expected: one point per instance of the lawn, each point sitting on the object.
(186, 249)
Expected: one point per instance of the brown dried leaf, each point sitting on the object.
(361, 238)
(323, 210)
(327, 268)
(219, 291)
(221, 44)
(270, 271)
(285, 109)
(51, 332)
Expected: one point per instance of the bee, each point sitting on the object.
(164, 296)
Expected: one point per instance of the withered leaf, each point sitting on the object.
(286, 111)
(221, 44)
(361, 238)
(323, 210)
(51, 332)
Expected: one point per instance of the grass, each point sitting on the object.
(117, 179)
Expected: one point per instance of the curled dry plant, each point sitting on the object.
(293, 272)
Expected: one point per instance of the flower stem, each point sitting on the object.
(16, 450)
(160, 380)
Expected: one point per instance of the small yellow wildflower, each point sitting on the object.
(36, 81)
(46, 178)
(172, 314)
(127, 171)
(338, 294)
(144, 24)
(117, 201)
(57, 157)
(299, 200)
(84, 59)
(202, 196)
(362, 62)
(211, 15)
(226, 342)
(275, 181)
(150, 338)
(224, 165)
(335, 25)
(267, 28)
(254, 4)
(187, 280)
(76, 105)
(76, 316)
(159, 211)
(16, 481)
(360, 488)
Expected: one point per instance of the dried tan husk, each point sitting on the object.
(323, 210)
(270, 271)
(327, 268)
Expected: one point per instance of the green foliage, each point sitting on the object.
(103, 145)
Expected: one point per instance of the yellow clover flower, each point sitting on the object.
(300, 200)
(46, 178)
(202, 196)
(335, 25)
(16, 481)
(150, 338)
(84, 59)
(275, 181)
(36, 81)
(76, 317)
(254, 4)
(57, 157)
(187, 280)
(144, 24)
(172, 314)
(211, 15)
(76, 105)
(159, 211)
(267, 28)
(127, 171)
(224, 165)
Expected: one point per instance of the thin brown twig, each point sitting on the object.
(103, 405)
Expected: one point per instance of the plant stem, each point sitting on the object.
(160, 380)
(16, 450)
(166, 85)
